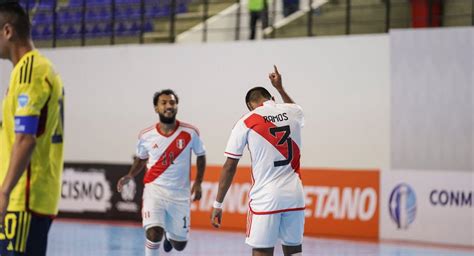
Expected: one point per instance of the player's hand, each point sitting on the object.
(4, 199)
(216, 217)
(275, 78)
(197, 191)
(123, 181)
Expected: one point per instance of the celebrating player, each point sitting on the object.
(165, 149)
(272, 133)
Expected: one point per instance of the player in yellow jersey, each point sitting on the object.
(31, 141)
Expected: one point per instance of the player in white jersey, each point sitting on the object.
(165, 149)
(272, 133)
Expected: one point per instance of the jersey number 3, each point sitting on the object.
(284, 139)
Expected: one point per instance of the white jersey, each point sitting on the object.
(169, 158)
(273, 135)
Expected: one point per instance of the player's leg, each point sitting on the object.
(178, 245)
(177, 222)
(253, 24)
(37, 241)
(262, 233)
(292, 250)
(262, 251)
(17, 233)
(153, 219)
(291, 232)
(154, 233)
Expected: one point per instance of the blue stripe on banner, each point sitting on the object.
(26, 124)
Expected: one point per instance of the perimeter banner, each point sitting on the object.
(341, 203)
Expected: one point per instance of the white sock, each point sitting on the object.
(297, 254)
(152, 248)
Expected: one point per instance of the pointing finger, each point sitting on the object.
(276, 69)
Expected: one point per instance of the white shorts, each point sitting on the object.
(172, 216)
(264, 230)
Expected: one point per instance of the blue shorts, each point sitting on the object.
(24, 233)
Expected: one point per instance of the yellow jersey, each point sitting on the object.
(34, 104)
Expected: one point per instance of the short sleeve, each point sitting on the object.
(237, 141)
(31, 98)
(142, 151)
(198, 146)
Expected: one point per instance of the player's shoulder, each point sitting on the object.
(241, 123)
(144, 133)
(291, 106)
(33, 66)
(189, 127)
(40, 63)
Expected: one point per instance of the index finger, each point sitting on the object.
(276, 69)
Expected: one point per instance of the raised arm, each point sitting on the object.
(275, 79)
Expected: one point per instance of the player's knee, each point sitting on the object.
(179, 245)
(154, 234)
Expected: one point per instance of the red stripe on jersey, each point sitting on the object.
(172, 152)
(43, 118)
(27, 192)
(190, 126)
(262, 127)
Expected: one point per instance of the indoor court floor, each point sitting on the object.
(69, 238)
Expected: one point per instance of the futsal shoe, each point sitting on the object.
(167, 245)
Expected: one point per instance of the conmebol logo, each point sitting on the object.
(402, 205)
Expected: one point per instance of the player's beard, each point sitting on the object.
(167, 120)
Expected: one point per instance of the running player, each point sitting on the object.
(165, 149)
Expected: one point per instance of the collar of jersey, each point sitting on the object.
(171, 134)
(268, 102)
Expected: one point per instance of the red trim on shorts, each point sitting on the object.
(167, 136)
(276, 211)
